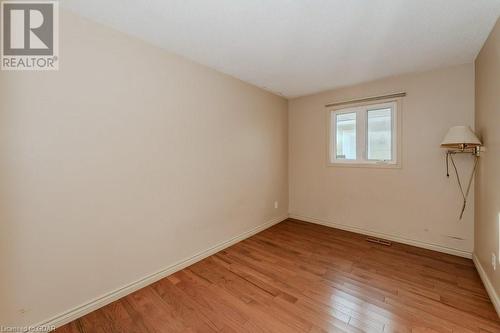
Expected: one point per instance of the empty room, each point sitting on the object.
(250, 166)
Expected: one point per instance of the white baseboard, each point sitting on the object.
(495, 299)
(393, 238)
(112, 296)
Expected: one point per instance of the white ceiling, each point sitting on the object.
(298, 47)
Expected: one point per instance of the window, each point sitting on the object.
(364, 135)
(346, 136)
(379, 134)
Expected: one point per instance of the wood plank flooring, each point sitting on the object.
(302, 277)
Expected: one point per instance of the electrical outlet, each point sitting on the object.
(276, 204)
(494, 261)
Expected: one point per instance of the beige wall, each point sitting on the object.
(122, 163)
(416, 203)
(487, 231)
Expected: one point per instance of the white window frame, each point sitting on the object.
(361, 110)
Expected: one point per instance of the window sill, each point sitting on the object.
(366, 165)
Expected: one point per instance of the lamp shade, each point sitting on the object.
(460, 137)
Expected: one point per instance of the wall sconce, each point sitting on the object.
(460, 140)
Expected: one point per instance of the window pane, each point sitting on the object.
(379, 134)
(346, 136)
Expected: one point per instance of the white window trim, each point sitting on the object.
(361, 139)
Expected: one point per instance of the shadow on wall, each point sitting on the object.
(7, 230)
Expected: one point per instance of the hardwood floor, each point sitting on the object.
(301, 277)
